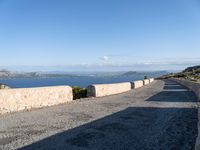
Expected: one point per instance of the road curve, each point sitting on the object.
(162, 115)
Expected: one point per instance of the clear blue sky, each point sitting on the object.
(99, 34)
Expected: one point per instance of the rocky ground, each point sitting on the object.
(162, 115)
(190, 73)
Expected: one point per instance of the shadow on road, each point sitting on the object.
(174, 87)
(174, 96)
(173, 92)
(135, 128)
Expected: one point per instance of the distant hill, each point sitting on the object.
(149, 73)
(5, 74)
(190, 73)
(129, 73)
(192, 69)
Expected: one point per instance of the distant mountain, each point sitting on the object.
(151, 73)
(129, 73)
(4, 74)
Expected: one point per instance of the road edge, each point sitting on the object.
(195, 87)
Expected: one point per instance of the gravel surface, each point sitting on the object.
(159, 116)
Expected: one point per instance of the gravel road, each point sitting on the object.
(159, 116)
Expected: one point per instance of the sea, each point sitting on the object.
(82, 81)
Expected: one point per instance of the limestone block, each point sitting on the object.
(151, 80)
(12, 100)
(136, 84)
(146, 81)
(99, 90)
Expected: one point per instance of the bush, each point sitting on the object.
(197, 71)
(180, 75)
(79, 92)
(4, 86)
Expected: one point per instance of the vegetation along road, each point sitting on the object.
(162, 115)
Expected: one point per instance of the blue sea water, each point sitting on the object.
(82, 81)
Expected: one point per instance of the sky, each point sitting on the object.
(99, 35)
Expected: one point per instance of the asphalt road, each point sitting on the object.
(159, 116)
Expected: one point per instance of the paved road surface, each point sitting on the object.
(160, 116)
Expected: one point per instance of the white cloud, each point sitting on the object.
(117, 63)
(105, 58)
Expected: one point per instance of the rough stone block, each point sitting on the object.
(146, 81)
(136, 84)
(12, 100)
(99, 90)
(151, 80)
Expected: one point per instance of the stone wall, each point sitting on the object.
(195, 87)
(146, 81)
(12, 100)
(136, 84)
(151, 80)
(99, 90)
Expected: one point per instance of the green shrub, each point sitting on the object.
(196, 76)
(197, 71)
(4, 86)
(182, 75)
(79, 92)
